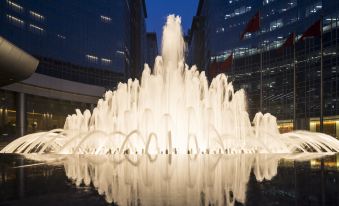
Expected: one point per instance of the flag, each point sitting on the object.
(252, 26)
(226, 64)
(213, 69)
(288, 42)
(314, 30)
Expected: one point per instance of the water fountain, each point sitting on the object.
(172, 110)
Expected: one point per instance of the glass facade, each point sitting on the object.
(84, 35)
(96, 42)
(152, 48)
(42, 113)
(259, 60)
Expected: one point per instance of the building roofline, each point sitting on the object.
(194, 19)
(144, 7)
(201, 2)
(193, 27)
(151, 34)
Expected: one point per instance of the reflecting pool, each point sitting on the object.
(169, 179)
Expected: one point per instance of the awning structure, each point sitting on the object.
(15, 64)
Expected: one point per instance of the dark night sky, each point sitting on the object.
(158, 10)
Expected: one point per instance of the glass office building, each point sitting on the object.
(87, 41)
(94, 42)
(220, 24)
(152, 48)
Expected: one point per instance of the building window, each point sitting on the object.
(91, 58)
(15, 6)
(15, 21)
(105, 19)
(247, 35)
(220, 30)
(106, 61)
(265, 2)
(289, 5)
(239, 11)
(276, 24)
(233, 1)
(60, 36)
(314, 8)
(36, 29)
(36, 16)
(292, 20)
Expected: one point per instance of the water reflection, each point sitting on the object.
(169, 180)
(173, 179)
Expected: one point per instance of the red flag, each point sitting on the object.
(289, 41)
(225, 65)
(252, 26)
(314, 30)
(213, 69)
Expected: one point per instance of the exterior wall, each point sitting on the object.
(48, 101)
(83, 35)
(196, 43)
(224, 22)
(138, 38)
(83, 48)
(152, 49)
(79, 31)
(41, 113)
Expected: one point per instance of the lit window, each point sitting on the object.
(265, 2)
(238, 11)
(15, 6)
(106, 61)
(61, 36)
(36, 29)
(276, 24)
(16, 21)
(220, 30)
(91, 58)
(105, 19)
(289, 5)
(247, 35)
(231, 1)
(120, 52)
(292, 20)
(314, 8)
(36, 16)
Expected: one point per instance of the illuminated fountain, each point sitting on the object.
(171, 110)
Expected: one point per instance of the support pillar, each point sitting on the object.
(303, 124)
(21, 116)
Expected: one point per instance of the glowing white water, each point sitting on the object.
(172, 110)
(171, 180)
(174, 179)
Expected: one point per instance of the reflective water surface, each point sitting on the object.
(169, 180)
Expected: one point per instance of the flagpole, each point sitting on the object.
(261, 64)
(321, 78)
(261, 86)
(232, 66)
(294, 87)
